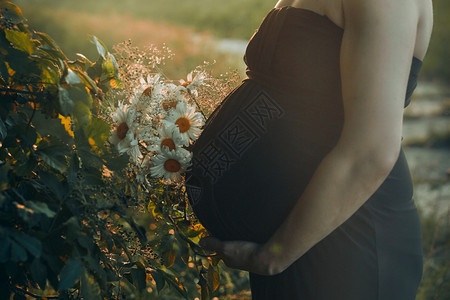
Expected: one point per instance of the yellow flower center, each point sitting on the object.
(169, 104)
(186, 83)
(183, 124)
(169, 143)
(122, 130)
(172, 165)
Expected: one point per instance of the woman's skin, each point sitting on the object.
(379, 40)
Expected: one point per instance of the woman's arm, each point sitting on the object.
(376, 54)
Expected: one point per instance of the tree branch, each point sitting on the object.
(24, 292)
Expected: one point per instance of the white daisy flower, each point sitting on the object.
(192, 81)
(185, 121)
(167, 139)
(171, 94)
(170, 164)
(133, 150)
(124, 137)
(123, 117)
(147, 86)
(148, 95)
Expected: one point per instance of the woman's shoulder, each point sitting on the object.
(390, 15)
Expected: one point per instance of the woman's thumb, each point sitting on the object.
(211, 243)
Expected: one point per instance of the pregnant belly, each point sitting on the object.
(252, 162)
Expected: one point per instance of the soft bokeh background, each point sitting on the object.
(217, 31)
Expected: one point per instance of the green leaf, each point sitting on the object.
(45, 126)
(139, 277)
(205, 294)
(70, 273)
(101, 48)
(95, 71)
(82, 113)
(4, 176)
(86, 242)
(3, 130)
(18, 252)
(117, 163)
(109, 68)
(50, 43)
(41, 208)
(25, 165)
(90, 160)
(65, 102)
(48, 73)
(39, 272)
(52, 55)
(92, 176)
(97, 269)
(74, 167)
(53, 152)
(203, 285)
(72, 229)
(159, 279)
(169, 258)
(89, 287)
(5, 246)
(11, 12)
(72, 77)
(98, 131)
(84, 59)
(167, 250)
(23, 66)
(4, 70)
(213, 278)
(20, 40)
(53, 183)
(32, 244)
(25, 133)
(81, 102)
(172, 280)
(79, 93)
(87, 81)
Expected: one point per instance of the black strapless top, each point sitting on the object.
(412, 80)
(298, 19)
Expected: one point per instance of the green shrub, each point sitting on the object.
(435, 283)
(73, 222)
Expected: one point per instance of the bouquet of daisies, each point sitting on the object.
(154, 119)
(155, 125)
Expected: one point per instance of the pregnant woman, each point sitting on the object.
(299, 174)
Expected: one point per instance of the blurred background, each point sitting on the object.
(217, 31)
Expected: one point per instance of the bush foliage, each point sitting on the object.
(73, 222)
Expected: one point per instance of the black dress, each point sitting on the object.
(260, 148)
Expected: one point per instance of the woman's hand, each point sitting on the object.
(242, 255)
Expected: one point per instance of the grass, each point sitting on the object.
(435, 283)
(238, 19)
(71, 30)
(231, 18)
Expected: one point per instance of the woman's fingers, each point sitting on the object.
(211, 243)
(235, 254)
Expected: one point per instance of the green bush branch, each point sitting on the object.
(72, 220)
